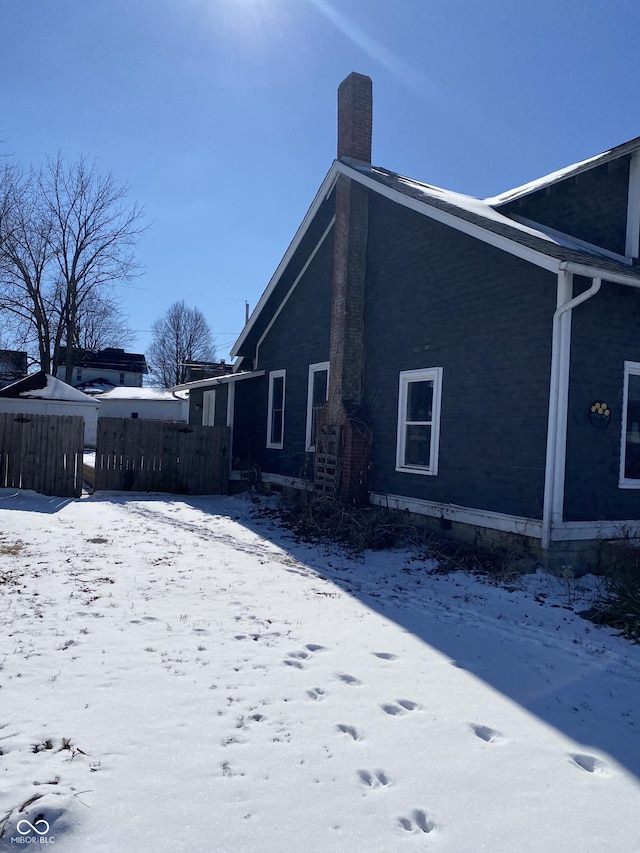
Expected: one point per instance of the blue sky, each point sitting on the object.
(220, 114)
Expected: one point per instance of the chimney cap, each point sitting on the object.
(355, 117)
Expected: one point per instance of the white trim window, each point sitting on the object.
(208, 408)
(275, 410)
(317, 392)
(419, 421)
(630, 440)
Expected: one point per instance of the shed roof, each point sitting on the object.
(43, 386)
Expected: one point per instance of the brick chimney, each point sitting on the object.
(347, 339)
(355, 117)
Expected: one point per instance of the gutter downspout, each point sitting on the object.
(558, 399)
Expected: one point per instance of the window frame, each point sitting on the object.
(406, 377)
(631, 368)
(273, 375)
(317, 367)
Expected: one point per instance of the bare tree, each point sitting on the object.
(25, 255)
(67, 236)
(93, 233)
(181, 336)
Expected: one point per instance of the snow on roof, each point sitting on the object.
(128, 393)
(566, 172)
(482, 207)
(43, 386)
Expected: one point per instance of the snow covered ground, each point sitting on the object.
(181, 675)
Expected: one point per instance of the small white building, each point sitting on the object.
(43, 394)
(150, 403)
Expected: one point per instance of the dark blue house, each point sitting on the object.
(476, 361)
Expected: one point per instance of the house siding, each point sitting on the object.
(299, 337)
(604, 334)
(196, 396)
(438, 298)
(591, 206)
(250, 413)
(308, 242)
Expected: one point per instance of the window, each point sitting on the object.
(122, 378)
(419, 421)
(208, 408)
(317, 391)
(630, 445)
(275, 413)
(78, 375)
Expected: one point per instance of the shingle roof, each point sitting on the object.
(569, 171)
(43, 386)
(484, 215)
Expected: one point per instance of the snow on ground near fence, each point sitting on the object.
(181, 674)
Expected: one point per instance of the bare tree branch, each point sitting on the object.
(181, 336)
(67, 235)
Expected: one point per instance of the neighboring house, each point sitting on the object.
(43, 394)
(197, 370)
(476, 361)
(107, 368)
(13, 366)
(149, 403)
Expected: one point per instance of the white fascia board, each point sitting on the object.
(562, 174)
(455, 222)
(463, 514)
(218, 380)
(284, 301)
(589, 271)
(321, 196)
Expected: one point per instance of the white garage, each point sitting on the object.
(43, 394)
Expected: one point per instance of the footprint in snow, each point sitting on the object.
(349, 730)
(485, 733)
(385, 655)
(351, 680)
(589, 763)
(373, 779)
(417, 822)
(316, 693)
(400, 707)
(294, 658)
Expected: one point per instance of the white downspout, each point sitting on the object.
(558, 399)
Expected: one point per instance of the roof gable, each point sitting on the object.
(544, 246)
(620, 151)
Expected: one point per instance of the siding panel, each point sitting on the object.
(605, 334)
(436, 298)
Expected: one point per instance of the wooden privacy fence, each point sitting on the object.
(42, 452)
(140, 455)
